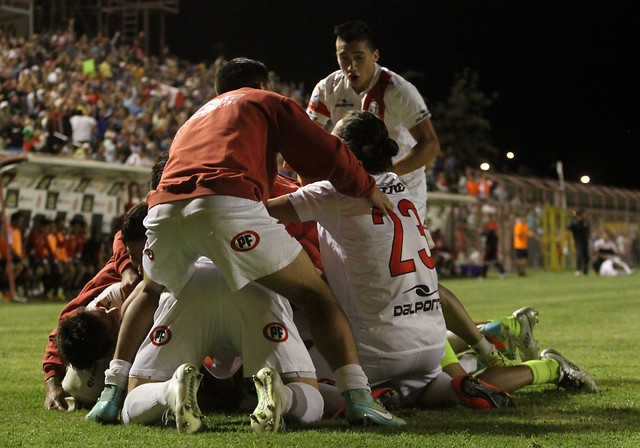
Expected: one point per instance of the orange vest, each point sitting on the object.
(520, 235)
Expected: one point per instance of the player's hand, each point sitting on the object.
(55, 394)
(381, 201)
(130, 278)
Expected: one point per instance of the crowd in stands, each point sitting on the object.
(95, 98)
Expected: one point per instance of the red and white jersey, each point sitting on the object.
(379, 267)
(390, 97)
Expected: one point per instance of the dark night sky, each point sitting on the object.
(565, 73)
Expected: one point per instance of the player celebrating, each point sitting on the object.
(383, 275)
(362, 84)
(222, 165)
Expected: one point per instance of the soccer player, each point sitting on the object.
(222, 165)
(384, 277)
(119, 269)
(382, 273)
(208, 319)
(362, 84)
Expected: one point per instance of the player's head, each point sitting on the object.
(158, 168)
(357, 53)
(241, 72)
(134, 233)
(367, 137)
(87, 336)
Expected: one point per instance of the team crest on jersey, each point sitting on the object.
(374, 108)
(275, 332)
(160, 335)
(245, 241)
(149, 253)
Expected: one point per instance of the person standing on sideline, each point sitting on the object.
(581, 230)
(521, 235)
(490, 238)
(362, 84)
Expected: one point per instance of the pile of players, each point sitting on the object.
(224, 247)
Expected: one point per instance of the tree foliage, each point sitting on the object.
(461, 121)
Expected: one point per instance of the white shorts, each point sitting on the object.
(237, 234)
(209, 320)
(407, 373)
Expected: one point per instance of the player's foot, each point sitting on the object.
(474, 393)
(363, 409)
(495, 358)
(182, 400)
(527, 345)
(267, 416)
(571, 377)
(108, 407)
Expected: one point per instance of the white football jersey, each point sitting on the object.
(379, 267)
(390, 97)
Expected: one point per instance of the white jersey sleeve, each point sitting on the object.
(405, 105)
(318, 109)
(111, 297)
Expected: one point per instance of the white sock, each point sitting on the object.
(349, 377)
(118, 373)
(306, 403)
(482, 348)
(145, 404)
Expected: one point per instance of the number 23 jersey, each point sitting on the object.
(379, 267)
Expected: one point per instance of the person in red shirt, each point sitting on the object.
(210, 202)
(118, 269)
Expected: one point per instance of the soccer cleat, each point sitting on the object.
(495, 358)
(182, 400)
(527, 345)
(108, 407)
(363, 409)
(570, 376)
(267, 416)
(474, 393)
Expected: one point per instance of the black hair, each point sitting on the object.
(133, 228)
(367, 137)
(241, 72)
(355, 30)
(158, 168)
(82, 339)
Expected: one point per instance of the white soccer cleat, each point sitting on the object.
(267, 416)
(571, 377)
(527, 345)
(182, 400)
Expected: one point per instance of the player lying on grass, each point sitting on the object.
(384, 278)
(207, 319)
(60, 383)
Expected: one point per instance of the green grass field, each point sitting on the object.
(590, 320)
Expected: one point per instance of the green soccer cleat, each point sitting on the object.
(571, 377)
(267, 416)
(363, 410)
(108, 407)
(182, 399)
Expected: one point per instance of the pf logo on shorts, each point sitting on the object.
(160, 335)
(245, 241)
(275, 332)
(149, 253)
